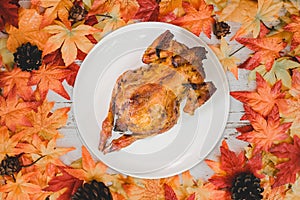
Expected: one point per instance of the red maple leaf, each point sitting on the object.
(287, 170)
(230, 165)
(8, 13)
(62, 181)
(72, 76)
(265, 131)
(50, 77)
(196, 20)
(148, 10)
(16, 81)
(266, 50)
(263, 99)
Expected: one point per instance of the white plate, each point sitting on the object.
(170, 153)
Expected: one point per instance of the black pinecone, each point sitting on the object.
(93, 191)
(77, 13)
(221, 29)
(28, 57)
(246, 187)
(10, 165)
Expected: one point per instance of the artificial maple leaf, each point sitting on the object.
(196, 20)
(170, 194)
(148, 10)
(290, 112)
(44, 122)
(289, 169)
(265, 132)
(207, 191)
(50, 77)
(293, 27)
(13, 110)
(6, 57)
(21, 188)
(167, 6)
(266, 11)
(8, 13)
(50, 152)
(64, 180)
(109, 24)
(54, 9)
(263, 99)
(72, 76)
(237, 10)
(126, 9)
(266, 51)
(227, 60)
(273, 193)
(279, 71)
(292, 6)
(27, 31)
(150, 189)
(68, 39)
(8, 143)
(91, 170)
(230, 165)
(16, 81)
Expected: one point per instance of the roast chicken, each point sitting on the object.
(146, 101)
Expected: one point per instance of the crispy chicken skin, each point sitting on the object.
(146, 101)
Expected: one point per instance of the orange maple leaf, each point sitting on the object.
(266, 51)
(13, 110)
(263, 99)
(293, 27)
(16, 81)
(167, 6)
(50, 152)
(50, 77)
(21, 188)
(196, 20)
(265, 131)
(28, 31)
(69, 39)
(91, 170)
(8, 143)
(54, 9)
(44, 122)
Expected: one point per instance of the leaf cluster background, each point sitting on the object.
(66, 30)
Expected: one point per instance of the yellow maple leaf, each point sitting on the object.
(54, 9)
(6, 57)
(110, 23)
(69, 39)
(267, 11)
(50, 152)
(28, 31)
(228, 61)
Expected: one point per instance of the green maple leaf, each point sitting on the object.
(279, 71)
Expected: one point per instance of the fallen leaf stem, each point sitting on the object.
(34, 162)
(237, 51)
(104, 15)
